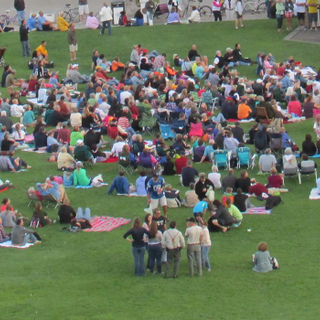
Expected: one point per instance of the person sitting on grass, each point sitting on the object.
(168, 167)
(82, 152)
(221, 219)
(39, 215)
(235, 213)
(3, 235)
(80, 177)
(62, 24)
(121, 184)
(17, 162)
(190, 197)
(20, 235)
(227, 195)
(8, 217)
(262, 260)
(242, 201)
(65, 160)
(66, 212)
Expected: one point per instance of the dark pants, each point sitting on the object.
(173, 255)
(155, 252)
(104, 25)
(217, 15)
(279, 21)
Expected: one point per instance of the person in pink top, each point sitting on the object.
(92, 22)
(216, 9)
(294, 106)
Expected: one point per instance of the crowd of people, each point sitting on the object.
(153, 93)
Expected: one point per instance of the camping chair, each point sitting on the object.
(164, 118)
(276, 144)
(2, 52)
(307, 167)
(32, 197)
(166, 132)
(148, 124)
(51, 200)
(244, 157)
(261, 114)
(221, 158)
(290, 173)
(207, 98)
(124, 164)
(195, 96)
(253, 160)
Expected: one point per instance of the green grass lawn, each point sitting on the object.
(91, 275)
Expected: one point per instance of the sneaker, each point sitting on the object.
(275, 264)
(36, 242)
(208, 270)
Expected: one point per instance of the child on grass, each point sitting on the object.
(262, 260)
(205, 245)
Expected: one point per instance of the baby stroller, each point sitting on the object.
(2, 52)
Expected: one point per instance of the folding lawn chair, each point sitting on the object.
(166, 131)
(308, 167)
(51, 200)
(290, 173)
(2, 52)
(221, 158)
(124, 164)
(244, 157)
(32, 197)
(148, 124)
(276, 144)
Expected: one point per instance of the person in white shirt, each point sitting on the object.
(195, 15)
(300, 7)
(104, 106)
(15, 109)
(117, 147)
(106, 18)
(194, 235)
(173, 242)
(75, 118)
(205, 245)
(215, 177)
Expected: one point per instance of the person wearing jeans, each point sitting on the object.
(205, 245)
(106, 18)
(150, 6)
(19, 5)
(20, 235)
(138, 245)
(24, 39)
(154, 245)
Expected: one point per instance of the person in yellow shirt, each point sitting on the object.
(312, 13)
(244, 111)
(62, 24)
(41, 50)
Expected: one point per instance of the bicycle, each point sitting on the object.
(203, 10)
(6, 19)
(255, 7)
(71, 14)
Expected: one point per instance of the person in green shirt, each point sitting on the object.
(234, 211)
(80, 177)
(75, 136)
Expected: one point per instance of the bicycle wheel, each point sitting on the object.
(205, 11)
(67, 16)
(248, 8)
(4, 19)
(261, 8)
(74, 13)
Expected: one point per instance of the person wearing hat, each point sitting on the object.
(156, 195)
(172, 241)
(75, 75)
(82, 152)
(194, 236)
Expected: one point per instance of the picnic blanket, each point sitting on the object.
(111, 160)
(106, 223)
(8, 244)
(35, 151)
(89, 187)
(29, 138)
(134, 194)
(314, 194)
(257, 210)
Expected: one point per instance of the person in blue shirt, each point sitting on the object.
(32, 23)
(28, 117)
(201, 206)
(120, 183)
(156, 196)
(49, 187)
(286, 82)
(44, 24)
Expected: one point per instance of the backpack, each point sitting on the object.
(273, 201)
(35, 221)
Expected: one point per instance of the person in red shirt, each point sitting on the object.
(180, 163)
(257, 188)
(294, 106)
(280, 70)
(64, 110)
(274, 180)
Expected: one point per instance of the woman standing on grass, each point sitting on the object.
(155, 250)
(288, 11)
(239, 13)
(279, 14)
(138, 245)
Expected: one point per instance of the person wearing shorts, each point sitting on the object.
(312, 13)
(73, 42)
(301, 10)
(156, 196)
(83, 10)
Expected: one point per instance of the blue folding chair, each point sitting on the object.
(166, 132)
(222, 158)
(244, 157)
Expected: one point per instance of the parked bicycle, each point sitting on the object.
(6, 19)
(255, 7)
(71, 14)
(203, 10)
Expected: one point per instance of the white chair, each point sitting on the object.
(307, 167)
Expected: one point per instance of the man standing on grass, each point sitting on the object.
(83, 10)
(194, 235)
(73, 42)
(156, 196)
(106, 18)
(24, 39)
(172, 241)
(19, 5)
